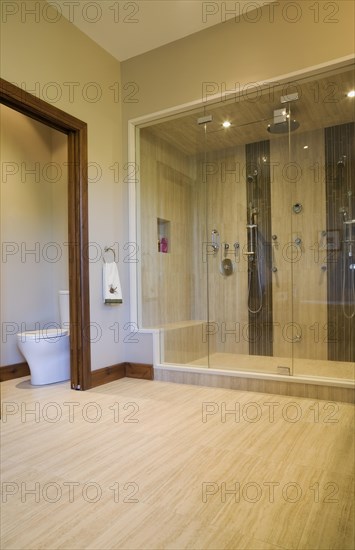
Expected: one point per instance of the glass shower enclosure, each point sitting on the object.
(247, 230)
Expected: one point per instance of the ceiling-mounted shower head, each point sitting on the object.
(204, 119)
(282, 123)
(283, 127)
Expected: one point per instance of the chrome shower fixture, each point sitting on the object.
(344, 213)
(251, 178)
(342, 161)
(215, 240)
(282, 122)
(204, 119)
(289, 97)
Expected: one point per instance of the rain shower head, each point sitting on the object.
(283, 127)
(282, 122)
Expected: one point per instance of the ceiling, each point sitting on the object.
(322, 102)
(127, 28)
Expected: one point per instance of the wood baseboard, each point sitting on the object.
(121, 370)
(98, 377)
(14, 371)
(140, 370)
(107, 374)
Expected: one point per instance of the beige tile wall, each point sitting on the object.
(223, 183)
(299, 285)
(165, 193)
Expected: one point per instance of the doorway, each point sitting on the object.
(76, 131)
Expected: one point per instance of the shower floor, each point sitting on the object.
(258, 363)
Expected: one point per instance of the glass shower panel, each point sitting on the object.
(248, 232)
(308, 270)
(171, 206)
(248, 227)
(282, 252)
(226, 262)
(340, 213)
(323, 230)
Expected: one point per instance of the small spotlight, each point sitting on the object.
(226, 124)
(305, 147)
(351, 93)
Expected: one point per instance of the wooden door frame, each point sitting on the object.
(76, 130)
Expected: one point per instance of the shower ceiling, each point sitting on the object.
(322, 102)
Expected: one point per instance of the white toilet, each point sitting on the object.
(47, 351)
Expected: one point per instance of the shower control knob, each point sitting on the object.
(274, 269)
(274, 237)
(298, 241)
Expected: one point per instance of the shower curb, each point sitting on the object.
(307, 388)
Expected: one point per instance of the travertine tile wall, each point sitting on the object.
(165, 193)
(222, 191)
(300, 284)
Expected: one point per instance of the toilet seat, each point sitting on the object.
(42, 334)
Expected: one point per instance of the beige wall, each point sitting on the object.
(240, 52)
(34, 227)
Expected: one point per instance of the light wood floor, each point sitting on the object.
(174, 452)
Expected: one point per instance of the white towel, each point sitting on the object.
(111, 284)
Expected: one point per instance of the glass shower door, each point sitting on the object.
(248, 228)
(324, 227)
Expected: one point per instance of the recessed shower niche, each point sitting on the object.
(163, 228)
(289, 304)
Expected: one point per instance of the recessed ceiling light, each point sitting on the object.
(351, 93)
(226, 124)
(305, 147)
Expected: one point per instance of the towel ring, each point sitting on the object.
(109, 249)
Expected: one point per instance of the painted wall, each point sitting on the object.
(34, 227)
(280, 38)
(58, 63)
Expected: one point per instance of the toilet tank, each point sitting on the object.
(64, 308)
